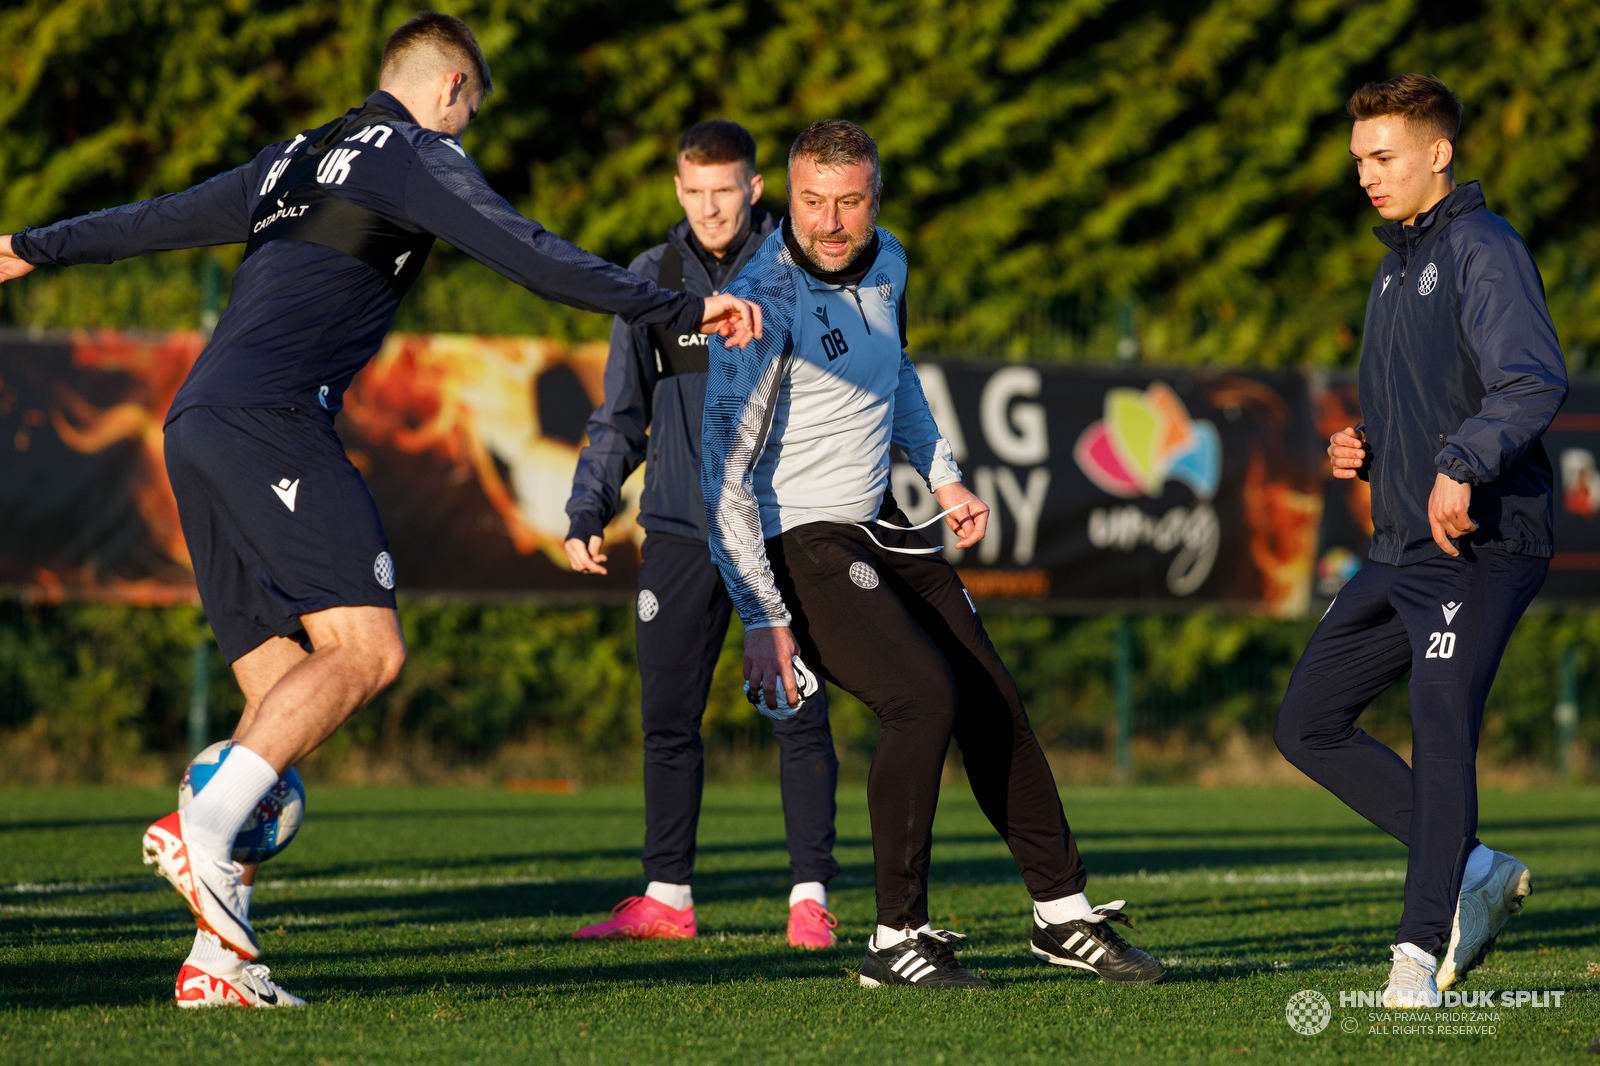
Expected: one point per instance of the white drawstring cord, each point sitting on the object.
(909, 529)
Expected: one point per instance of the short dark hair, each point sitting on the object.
(1417, 98)
(833, 142)
(445, 33)
(717, 140)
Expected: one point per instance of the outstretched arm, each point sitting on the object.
(213, 212)
(447, 195)
(12, 265)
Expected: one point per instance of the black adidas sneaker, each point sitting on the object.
(927, 960)
(1091, 944)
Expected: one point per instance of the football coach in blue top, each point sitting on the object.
(289, 555)
(1460, 376)
(655, 392)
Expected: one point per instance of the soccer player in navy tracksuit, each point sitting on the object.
(1461, 374)
(289, 554)
(655, 393)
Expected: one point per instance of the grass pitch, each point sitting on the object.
(433, 926)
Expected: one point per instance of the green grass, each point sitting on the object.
(432, 926)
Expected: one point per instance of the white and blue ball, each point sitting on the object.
(271, 825)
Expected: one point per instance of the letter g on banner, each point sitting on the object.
(1015, 432)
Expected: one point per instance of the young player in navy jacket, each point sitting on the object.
(1461, 374)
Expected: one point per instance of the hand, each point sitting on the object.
(12, 265)
(586, 558)
(737, 321)
(970, 520)
(769, 662)
(1346, 451)
(1447, 512)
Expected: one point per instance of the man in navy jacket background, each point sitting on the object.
(1460, 376)
(655, 392)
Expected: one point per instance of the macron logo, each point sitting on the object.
(1386, 279)
(1449, 610)
(287, 492)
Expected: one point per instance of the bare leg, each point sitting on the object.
(256, 673)
(359, 650)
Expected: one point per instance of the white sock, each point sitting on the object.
(245, 891)
(209, 954)
(1478, 865)
(212, 819)
(1412, 951)
(886, 937)
(1065, 909)
(678, 897)
(812, 890)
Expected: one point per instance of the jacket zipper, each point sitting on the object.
(1388, 366)
(856, 292)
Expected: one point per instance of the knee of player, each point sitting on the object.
(1286, 732)
(385, 662)
(933, 706)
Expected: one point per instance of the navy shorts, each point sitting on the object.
(278, 522)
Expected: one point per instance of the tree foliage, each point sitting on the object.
(1056, 169)
(1062, 172)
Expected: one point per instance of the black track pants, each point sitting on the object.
(683, 613)
(900, 633)
(1447, 621)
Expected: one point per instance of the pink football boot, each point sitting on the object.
(642, 918)
(811, 926)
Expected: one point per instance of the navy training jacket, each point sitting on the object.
(1461, 374)
(650, 413)
(303, 318)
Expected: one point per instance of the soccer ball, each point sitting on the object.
(271, 825)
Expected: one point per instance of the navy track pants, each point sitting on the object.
(683, 613)
(1447, 621)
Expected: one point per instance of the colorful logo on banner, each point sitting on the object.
(1147, 439)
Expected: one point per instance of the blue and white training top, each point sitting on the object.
(798, 425)
(303, 318)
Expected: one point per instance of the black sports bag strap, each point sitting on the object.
(676, 353)
(671, 276)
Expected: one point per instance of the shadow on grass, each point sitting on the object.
(1303, 926)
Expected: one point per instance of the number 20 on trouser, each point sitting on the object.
(1441, 645)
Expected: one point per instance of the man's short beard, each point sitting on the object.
(808, 244)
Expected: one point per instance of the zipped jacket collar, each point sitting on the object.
(761, 226)
(1404, 239)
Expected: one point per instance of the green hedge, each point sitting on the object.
(88, 692)
(1058, 172)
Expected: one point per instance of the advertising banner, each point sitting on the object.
(1131, 488)
(1126, 488)
(1110, 489)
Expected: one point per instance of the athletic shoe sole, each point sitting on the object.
(1515, 884)
(165, 849)
(867, 982)
(1078, 964)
